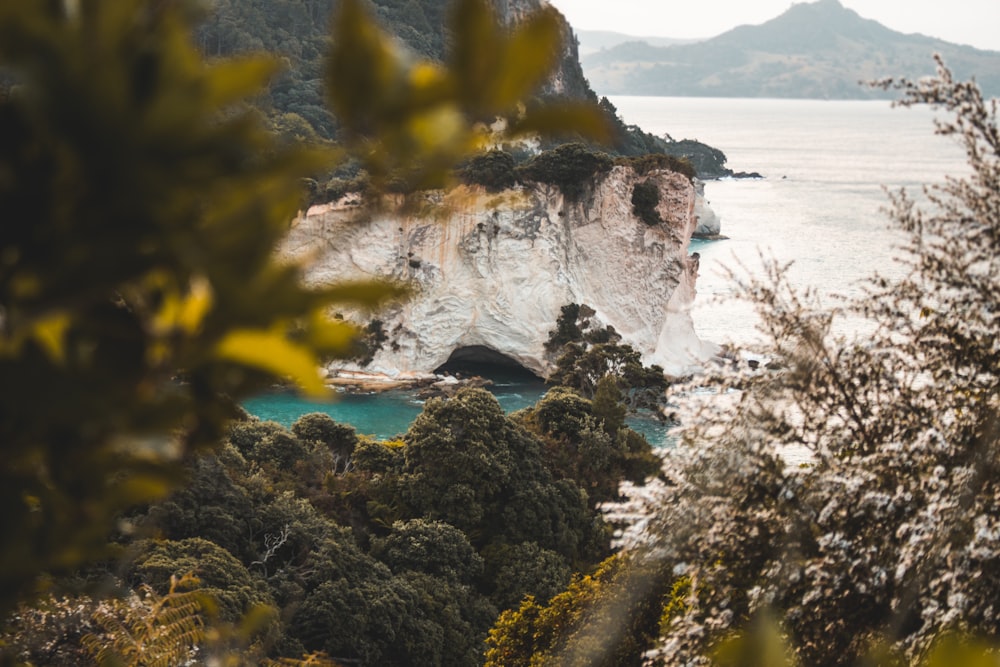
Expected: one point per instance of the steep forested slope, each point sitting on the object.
(297, 31)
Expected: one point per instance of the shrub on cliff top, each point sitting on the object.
(645, 199)
(570, 167)
(493, 169)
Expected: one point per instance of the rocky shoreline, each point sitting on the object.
(427, 386)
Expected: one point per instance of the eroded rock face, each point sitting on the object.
(494, 270)
(707, 222)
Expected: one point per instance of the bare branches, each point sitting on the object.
(272, 542)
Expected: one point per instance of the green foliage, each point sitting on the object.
(570, 167)
(567, 328)
(707, 162)
(644, 164)
(576, 324)
(494, 170)
(432, 547)
(282, 450)
(471, 466)
(562, 410)
(527, 569)
(336, 188)
(582, 368)
(578, 444)
(319, 428)
(460, 458)
(210, 506)
(411, 122)
(593, 622)
(645, 199)
(390, 620)
(607, 405)
(378, 457)
(246, 434)
(140, 226)
(222, 578)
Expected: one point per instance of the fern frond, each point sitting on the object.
(315, 659)
(157, 631)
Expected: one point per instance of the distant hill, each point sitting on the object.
(814, 50)
(593, 41)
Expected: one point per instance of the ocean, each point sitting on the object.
(821, 205)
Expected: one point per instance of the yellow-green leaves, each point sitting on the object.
(232, 81)
(952, 650)
(183, 311)
(271, 351)
(495, 68)
(413, 120)
(762, 644)
(49, 332)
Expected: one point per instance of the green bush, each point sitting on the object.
(377, 457)
(645, 198)
(494, 170)
(570, 167)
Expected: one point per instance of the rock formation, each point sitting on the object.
(708, 223)
(493, 270)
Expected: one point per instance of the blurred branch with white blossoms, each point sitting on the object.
(883, 545)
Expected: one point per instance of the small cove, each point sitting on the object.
(385, 415)
(821, 205)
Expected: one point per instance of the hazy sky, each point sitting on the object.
(974, 22)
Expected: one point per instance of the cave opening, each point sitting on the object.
(485, 362)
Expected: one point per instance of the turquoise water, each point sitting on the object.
(388, 414)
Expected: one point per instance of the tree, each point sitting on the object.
(568, 328)
(432, 547)
(582, 366)
(597, 620)
(221, 577)
(209, 506)
(458, 459)
(527, 569)
(570, 167)
(587, 441)
(321, 429)
(607, 405)
(493, 170)
(140, 226)
(140, 298)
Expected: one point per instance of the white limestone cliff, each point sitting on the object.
(707, 222)
(494, 270)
